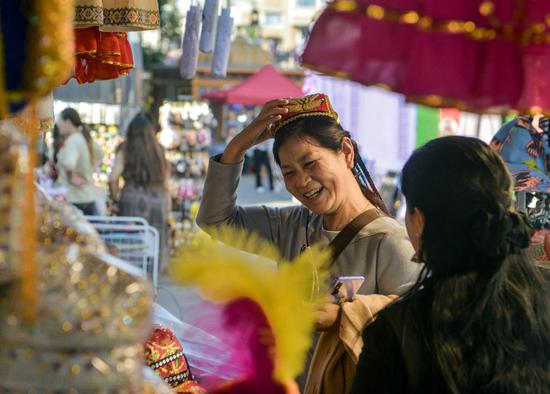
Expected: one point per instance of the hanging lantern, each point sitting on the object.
(190, 44)
(223, 44)
(209, 22)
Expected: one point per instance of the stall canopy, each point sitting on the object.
(267, 84)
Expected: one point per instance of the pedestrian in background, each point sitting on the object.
(141, 163)
(77, 160)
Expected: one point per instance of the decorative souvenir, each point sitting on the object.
(267, 348)
(101, 55)
(92, 316)
(209, 23)
(223, 44)
(317, 104)
(165, 355)
(190, 45)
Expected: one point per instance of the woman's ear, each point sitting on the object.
(348, 152)
(419, 221)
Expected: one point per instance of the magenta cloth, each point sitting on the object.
(431, 65)
(267, 84)
(249, 337)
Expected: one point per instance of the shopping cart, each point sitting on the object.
(131, 239)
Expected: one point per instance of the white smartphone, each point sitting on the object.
(346, 286)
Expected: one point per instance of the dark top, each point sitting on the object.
(396, 356)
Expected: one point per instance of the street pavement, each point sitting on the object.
(186, 303)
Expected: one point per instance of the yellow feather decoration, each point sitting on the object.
(288, 294)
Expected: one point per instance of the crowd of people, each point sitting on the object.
(450, 303)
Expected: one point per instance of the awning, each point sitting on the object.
(267, 84)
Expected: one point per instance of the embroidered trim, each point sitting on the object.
(138, 17)
(278, 126)
(88, 15)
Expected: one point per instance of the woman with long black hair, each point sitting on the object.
(479, 320)
(141, 163)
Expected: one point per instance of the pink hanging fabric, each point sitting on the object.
(489, 56)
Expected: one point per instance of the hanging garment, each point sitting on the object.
(481, 56)
(525, 152)
(101, 55)
(34, 57)
(117, 15)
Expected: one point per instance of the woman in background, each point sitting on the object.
(141, 163)
(77, 160)
(479, 320)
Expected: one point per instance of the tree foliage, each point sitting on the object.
(170, 34)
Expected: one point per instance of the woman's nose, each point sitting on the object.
(302, 180)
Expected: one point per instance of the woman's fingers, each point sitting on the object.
(275, 103)
(272, 112)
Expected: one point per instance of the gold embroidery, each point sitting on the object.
(304, 104)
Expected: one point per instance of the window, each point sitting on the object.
(305, 3)
(273, 18)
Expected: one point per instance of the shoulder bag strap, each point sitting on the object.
(345, 236)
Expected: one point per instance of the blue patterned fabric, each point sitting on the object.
(15, 23)
(527, 154)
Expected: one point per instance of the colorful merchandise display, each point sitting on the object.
(186, 134)
(443, 54)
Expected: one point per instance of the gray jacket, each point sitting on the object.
(381, 251)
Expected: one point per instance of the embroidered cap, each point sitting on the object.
(316, 104)
(526, 154)
(164, 354)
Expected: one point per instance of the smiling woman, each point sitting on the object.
(323, 170)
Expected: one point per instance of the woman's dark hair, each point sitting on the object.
(144, 161)
(57, 142)
(72, 115)
(328, 133)
(490, 311)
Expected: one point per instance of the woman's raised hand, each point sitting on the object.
(259, 130)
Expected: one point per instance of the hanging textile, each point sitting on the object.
(220, 60)
(32, 60)
(209, 23)
(101, 55)
(117, 15)
(474, 55)
(190, 43)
